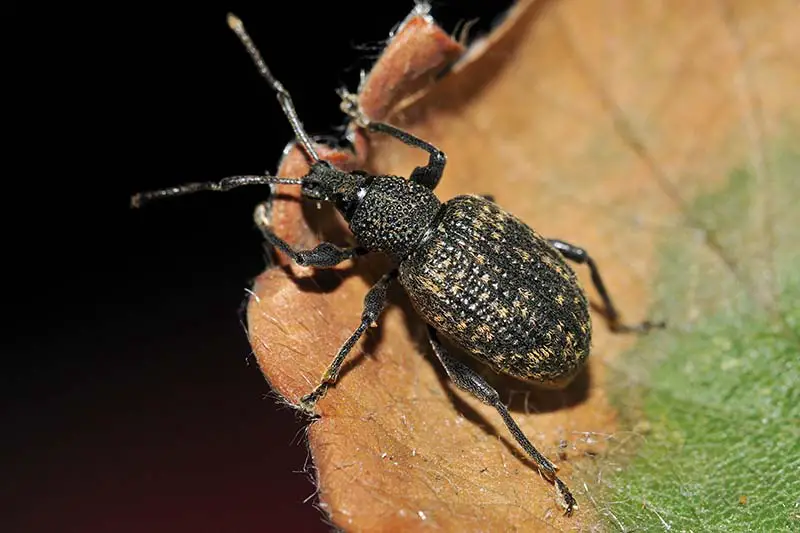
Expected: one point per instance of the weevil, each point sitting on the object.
(474, 272)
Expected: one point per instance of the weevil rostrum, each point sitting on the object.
(472, 271)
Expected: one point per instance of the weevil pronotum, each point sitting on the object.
(473, 272)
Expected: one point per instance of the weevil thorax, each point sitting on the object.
(394, 215)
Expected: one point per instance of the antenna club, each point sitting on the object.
(234, 22)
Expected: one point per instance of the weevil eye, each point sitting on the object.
(313, 189)
(317, 183)
(348, 200)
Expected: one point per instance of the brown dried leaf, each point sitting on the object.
(594, 122)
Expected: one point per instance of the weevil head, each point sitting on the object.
(346, 190)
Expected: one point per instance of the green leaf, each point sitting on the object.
(719, 392)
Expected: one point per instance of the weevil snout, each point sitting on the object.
(326, 183)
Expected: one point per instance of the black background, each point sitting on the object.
(130, 401)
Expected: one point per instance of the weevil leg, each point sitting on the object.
(325, 254)
(430, 174)
(374, 303)
(470, 381)
(582, 257)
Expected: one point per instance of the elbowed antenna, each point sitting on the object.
(284, 98)
(226, 184)
(223, 185)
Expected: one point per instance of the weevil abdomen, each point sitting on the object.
(499, 290)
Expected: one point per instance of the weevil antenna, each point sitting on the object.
(283, 95)
(226, 184)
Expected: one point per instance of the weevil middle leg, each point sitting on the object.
(374, 303)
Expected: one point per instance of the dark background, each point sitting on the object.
(130, 401)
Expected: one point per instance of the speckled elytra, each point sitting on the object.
(473, 272)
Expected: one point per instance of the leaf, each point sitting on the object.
(721, 451)
(656, 135)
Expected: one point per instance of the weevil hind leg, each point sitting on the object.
(470, 381)
(582, 257)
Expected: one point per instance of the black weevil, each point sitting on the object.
(472, 271)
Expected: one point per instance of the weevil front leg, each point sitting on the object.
(470, 381)
(430, 174)
(374, 303)
(324, 255)
(581, 256)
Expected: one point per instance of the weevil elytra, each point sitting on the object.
(473, 272)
